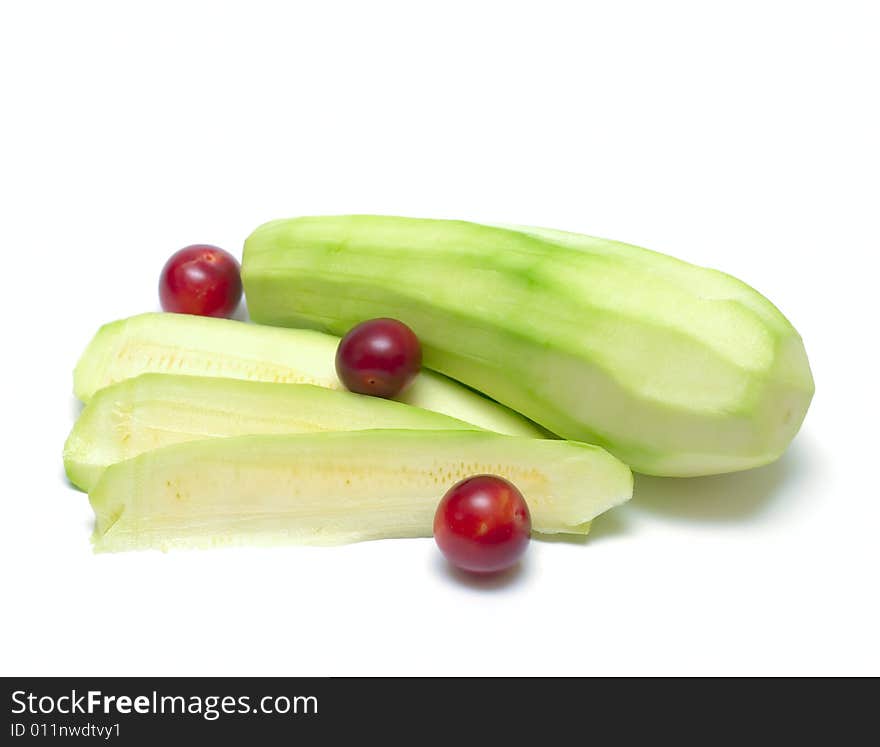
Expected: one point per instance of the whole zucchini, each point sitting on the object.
(675, 369)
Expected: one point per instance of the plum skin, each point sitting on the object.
(379, 357)
(201, 279)
(482, 524)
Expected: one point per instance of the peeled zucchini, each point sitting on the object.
(203, 346)
(676, 369)
(330, 488)
(155, 410)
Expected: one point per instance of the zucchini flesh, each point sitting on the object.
(676, 369)
(202, 346)
(335, 487)
(155, 410)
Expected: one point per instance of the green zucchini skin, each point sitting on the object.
(676, 369)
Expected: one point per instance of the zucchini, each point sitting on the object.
(676, 369)
(204, 346)
(155, 410)
(335, 487)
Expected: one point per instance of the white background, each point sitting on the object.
(739, 135)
